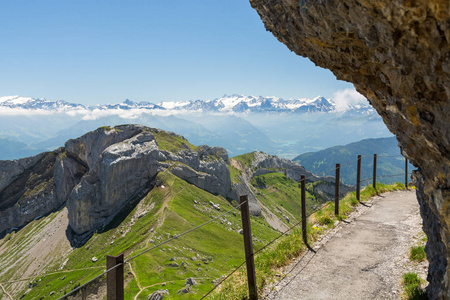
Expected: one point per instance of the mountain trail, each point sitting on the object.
(363, 257)
(137, 281)
(4, 291)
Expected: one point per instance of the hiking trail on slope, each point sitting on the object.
(363, 257)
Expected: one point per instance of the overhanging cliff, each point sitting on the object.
(396, 53)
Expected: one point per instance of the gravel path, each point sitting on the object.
(362, 258)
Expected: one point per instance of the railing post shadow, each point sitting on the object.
(303, 196)
(337, 189)
(248, 244)
(358, 179)
(114, 278)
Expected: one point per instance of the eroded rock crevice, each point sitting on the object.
(396, 53)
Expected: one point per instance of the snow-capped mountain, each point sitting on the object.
(40, 103)
(225, 104)
(242, 103)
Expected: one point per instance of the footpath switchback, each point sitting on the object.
(364, 257)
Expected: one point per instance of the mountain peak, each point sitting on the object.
(235, 103)
(129, 102)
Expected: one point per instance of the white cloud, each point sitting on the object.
(8, 111)
(86, 114)
(343, 98)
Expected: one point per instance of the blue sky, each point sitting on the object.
(94, 52)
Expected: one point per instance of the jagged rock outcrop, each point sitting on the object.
(396, 53)
(27, 190)
(263, 163)
(123, 162)
(97, 174)
(11, 169)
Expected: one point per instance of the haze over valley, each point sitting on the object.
(238, 123)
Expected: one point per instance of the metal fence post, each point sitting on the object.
(248, 244)
(114, 278)
(336, 189)
(303, 196)
(374, 184)
(406, 173)
(358, 178)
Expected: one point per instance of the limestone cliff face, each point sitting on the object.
(396, 53)
(27, 190)
(97, 174)
(122, 164)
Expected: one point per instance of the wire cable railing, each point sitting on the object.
(176, 236)
(298, 223)
(150, 249)
(264, 247)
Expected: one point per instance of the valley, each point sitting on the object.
(389, 160)
(239, 123)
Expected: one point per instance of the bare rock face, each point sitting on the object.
(12, 169)
(97, 174)
(27, 190)
(122, 164)
(396, 53)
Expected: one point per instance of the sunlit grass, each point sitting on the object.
(281, 252)
(413, 291)
(417, 253)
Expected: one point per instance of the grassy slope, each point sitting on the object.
(171, 210)
(246, 159)
(170, 142)
(281, 195)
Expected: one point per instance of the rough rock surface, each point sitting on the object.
(158, 295)
(97, 174)
(396, 53)
(11, 169)
(122, 164)
(27, 190)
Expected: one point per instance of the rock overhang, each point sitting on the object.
(396, 53)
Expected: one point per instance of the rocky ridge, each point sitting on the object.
(27, 190)
(396, 53)
(99, 173)
(124, 165)
(259, 163)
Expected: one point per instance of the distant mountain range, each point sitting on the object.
(225, 104)
(389, 161)
(239, 123)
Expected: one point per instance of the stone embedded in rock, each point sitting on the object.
(184, 290)
(158, 295)
(191, 281)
